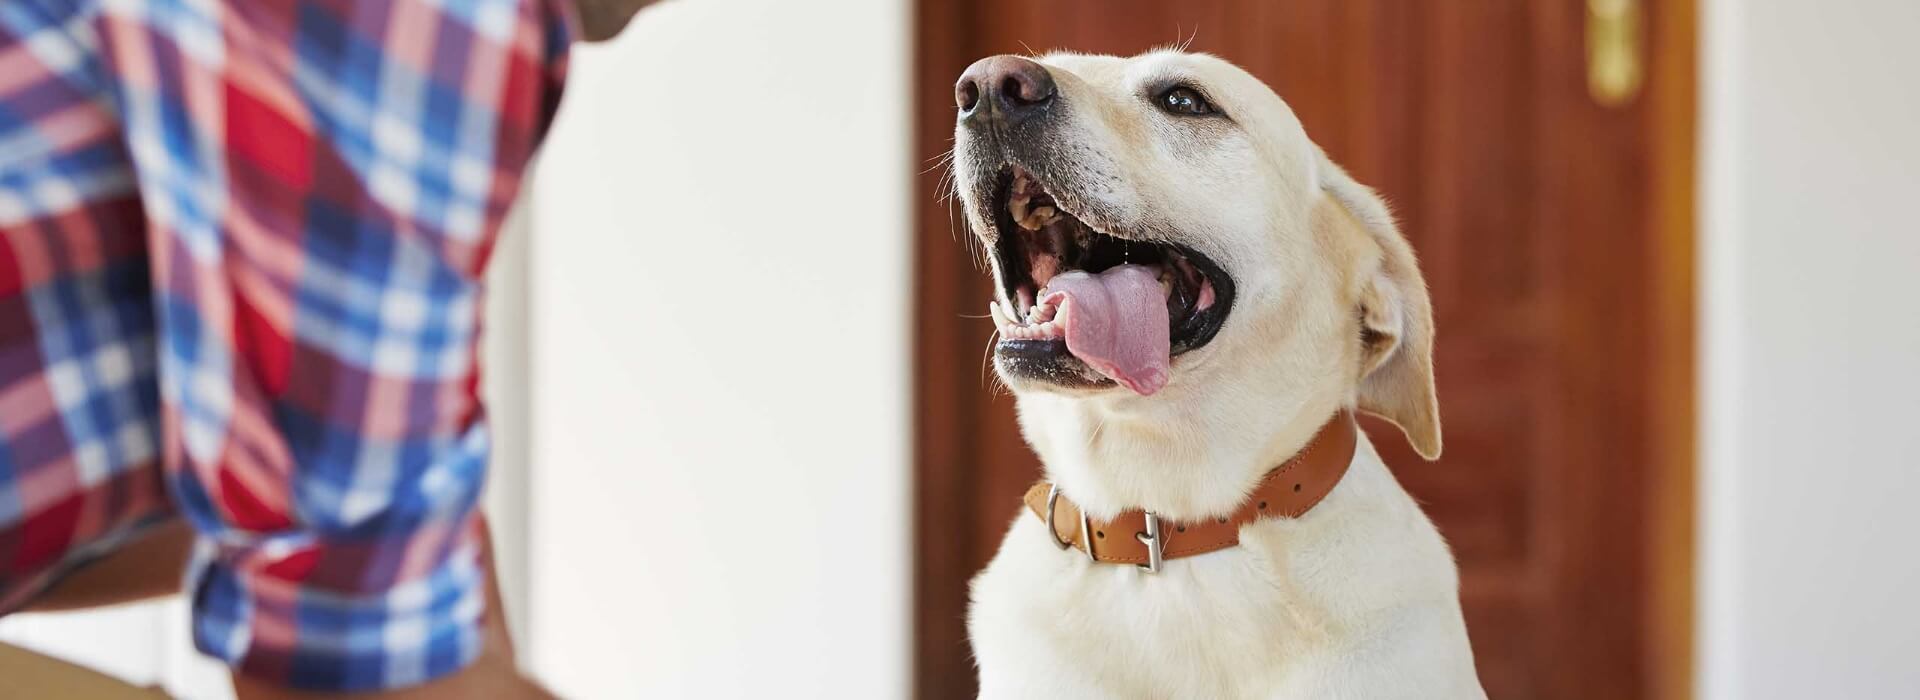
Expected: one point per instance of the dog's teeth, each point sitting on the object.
(1045, 312)
(1038, 218)
(999, 317)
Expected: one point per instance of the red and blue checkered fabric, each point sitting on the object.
(240, 256)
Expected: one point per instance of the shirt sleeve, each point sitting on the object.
(323, 183)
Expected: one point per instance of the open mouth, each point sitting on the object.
(1081, 307)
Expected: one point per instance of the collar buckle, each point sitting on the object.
(1156, 544)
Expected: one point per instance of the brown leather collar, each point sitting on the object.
(1140, 537)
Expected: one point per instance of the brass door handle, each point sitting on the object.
(1616, 67)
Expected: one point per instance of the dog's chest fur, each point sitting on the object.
(1356, 599)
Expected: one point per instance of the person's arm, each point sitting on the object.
(323, 182)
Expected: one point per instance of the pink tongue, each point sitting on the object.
(1116, 322)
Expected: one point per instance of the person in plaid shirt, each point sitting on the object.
(241, 246)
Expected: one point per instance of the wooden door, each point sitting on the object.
(1555, 235)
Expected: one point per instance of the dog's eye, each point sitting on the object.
(1184, 101)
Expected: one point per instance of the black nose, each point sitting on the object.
(1013, 86)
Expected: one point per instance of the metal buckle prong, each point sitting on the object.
(1156, 545)
(1086, 535)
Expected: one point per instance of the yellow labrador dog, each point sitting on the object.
(1191, 302)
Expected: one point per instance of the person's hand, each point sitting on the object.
(601, 20)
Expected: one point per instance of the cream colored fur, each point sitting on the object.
(1358, 598)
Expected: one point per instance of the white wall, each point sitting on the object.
(505, 367)
(720, 443)
(1810, 581)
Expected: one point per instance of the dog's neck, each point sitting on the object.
(1114, 455)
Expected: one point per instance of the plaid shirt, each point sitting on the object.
(240, 257)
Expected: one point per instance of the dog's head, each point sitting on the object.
(1165, 237)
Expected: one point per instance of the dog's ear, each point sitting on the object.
(1396, 320)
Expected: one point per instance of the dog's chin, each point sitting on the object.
(1047, 366)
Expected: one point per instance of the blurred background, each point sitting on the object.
(745, 449)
